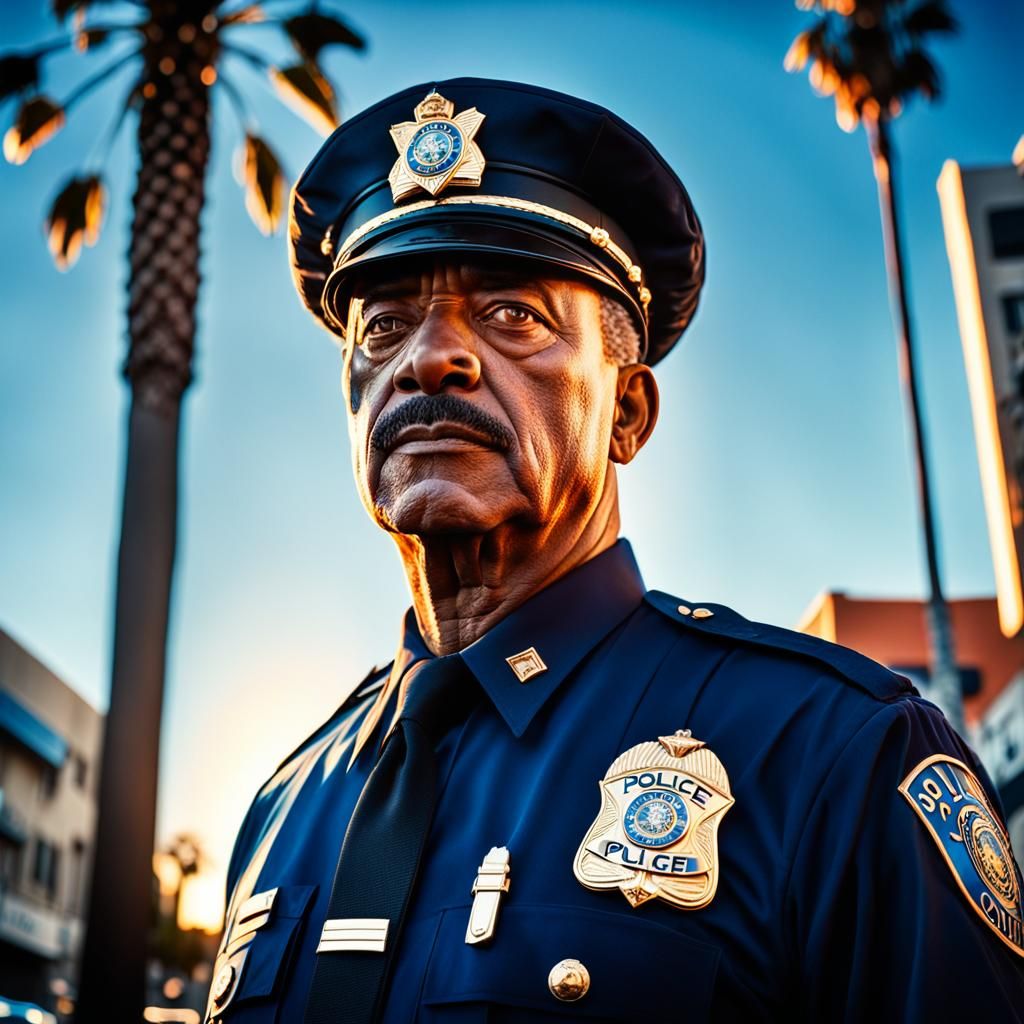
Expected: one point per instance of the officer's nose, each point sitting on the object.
(440, 355)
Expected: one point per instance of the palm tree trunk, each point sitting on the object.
(945, 677)
(164, 280)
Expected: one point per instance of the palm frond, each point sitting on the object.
(869, 54)
(76, 216)
(304, 88)
(19, 72)
(799, 52)
(62, 8)
(919, 73)
(38, 120)
(237, 103)
(264, 184)
(929, 16)
(91, 38)
(86, 87)
(824, 76)
(252, 57)
(250, 15)
(310, 33)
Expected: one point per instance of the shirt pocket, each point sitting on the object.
(637, 969)
(250, 971)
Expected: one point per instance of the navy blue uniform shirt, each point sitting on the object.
(834, 901)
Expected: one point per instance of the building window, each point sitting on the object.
(78, 881)
(10, 863)
(46, 866)
(1006, 228)
(48, 781)
(1013, 312)
(81, 771)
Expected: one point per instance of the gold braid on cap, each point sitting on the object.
(597, 236)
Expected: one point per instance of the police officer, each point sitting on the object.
(568, 797)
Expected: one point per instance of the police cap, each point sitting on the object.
(482, 167)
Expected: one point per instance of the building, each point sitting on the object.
(983, 221)
(893, 632)
(49, 770)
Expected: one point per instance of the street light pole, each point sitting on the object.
(945, 676)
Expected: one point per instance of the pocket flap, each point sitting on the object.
(619, 953)
(255, 964)
(269, 950)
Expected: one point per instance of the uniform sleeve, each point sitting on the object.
(880, 927)
(239, 850)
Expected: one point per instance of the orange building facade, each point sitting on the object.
(894, 632)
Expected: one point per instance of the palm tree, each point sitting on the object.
(177, 52)
(188, 855)
(869, 55)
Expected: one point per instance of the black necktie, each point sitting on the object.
(381, 852)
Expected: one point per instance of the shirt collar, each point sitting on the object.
(561, 624)
(542, 641)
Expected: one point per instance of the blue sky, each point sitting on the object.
(779, 467)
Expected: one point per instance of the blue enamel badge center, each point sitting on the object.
(951, 802)
(656, 818)
(435, 148)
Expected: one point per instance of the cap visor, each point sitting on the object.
(503, 234)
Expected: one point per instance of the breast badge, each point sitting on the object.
(437, 149)
(657, 831)
(951, 802)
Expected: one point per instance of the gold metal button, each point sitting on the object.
(569, 980)
(223, 982)
(702, 613)
(683, 610)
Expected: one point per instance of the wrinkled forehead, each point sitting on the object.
(420, 278)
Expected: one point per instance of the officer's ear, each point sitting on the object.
(636, 412)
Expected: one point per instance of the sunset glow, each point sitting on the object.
(202, 903)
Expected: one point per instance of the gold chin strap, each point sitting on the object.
(598, 236)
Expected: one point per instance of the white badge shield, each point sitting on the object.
(656, 834)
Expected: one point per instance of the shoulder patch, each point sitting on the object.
(720, 620)
(952, 803)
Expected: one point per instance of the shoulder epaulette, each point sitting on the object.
(719, 620)
(370, 685)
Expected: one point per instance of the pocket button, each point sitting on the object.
(222, 985)
(569, 980)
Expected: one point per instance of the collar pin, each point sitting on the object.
(527, 664)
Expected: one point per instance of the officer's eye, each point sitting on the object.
(513, 316)
(386, 323)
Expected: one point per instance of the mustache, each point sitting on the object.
(427, 410)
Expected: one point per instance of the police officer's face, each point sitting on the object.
(481, 396)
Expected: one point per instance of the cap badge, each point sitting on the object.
(656, 834)
(437, 149)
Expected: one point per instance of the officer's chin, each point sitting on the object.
(434, 506)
